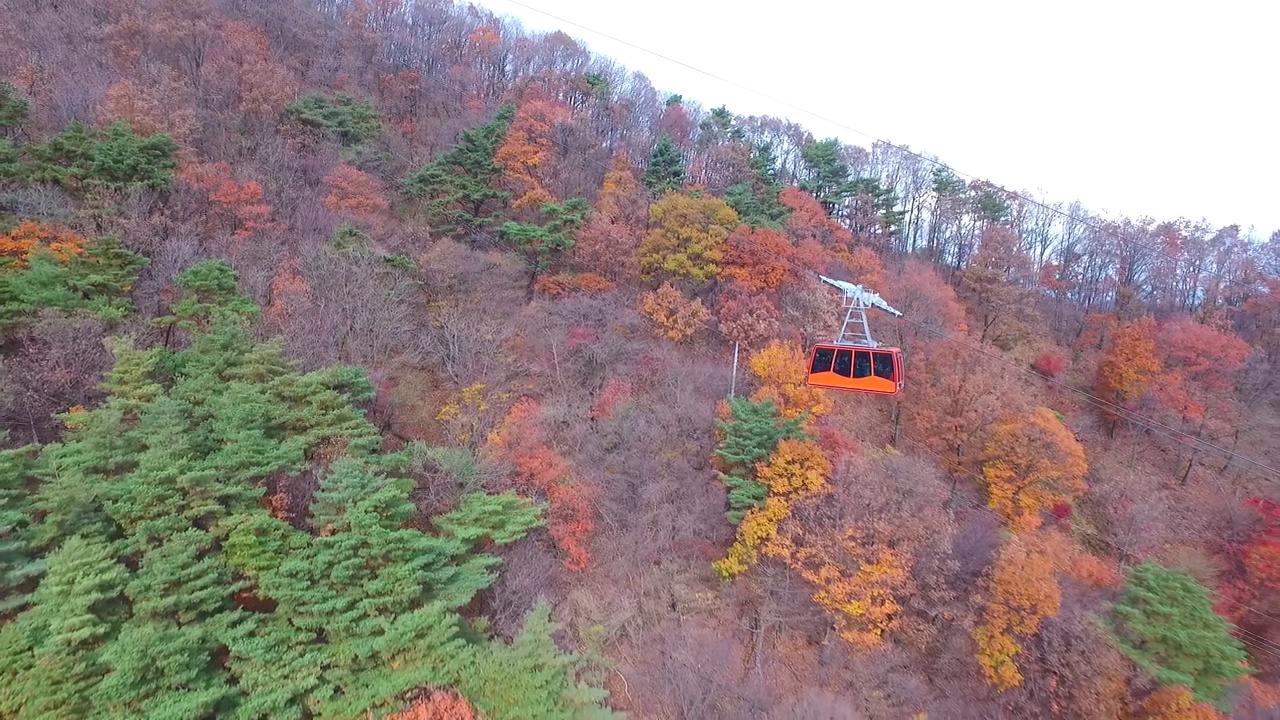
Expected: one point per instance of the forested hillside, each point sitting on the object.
(375, 359)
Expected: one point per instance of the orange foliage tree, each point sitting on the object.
(1033, 462)
(290, 293)
(1021, 591)
(542, 472)
(678, 317)
(809, 220)
(1127, 367)
(147, 111)
(240, 70)
(237, 206)
(526, 151)
(858, 580)
(609, 242)
(439, 704)
(30, 236)
(355, 194)
(1177, 703)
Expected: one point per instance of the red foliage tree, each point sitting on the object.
(542, 473)
(757, 258)
(749, 318)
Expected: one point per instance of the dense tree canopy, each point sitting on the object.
(384, 359)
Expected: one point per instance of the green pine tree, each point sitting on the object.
(457, 189)
(51, 657)
(170, 591)
(18, 564)
(540, 243)
(346, 119)
(756, 202)
(828, 179)
(1164, 622)
(666, 169)
(751, 434)
(123, 159)
(13, 107)
(531, 678)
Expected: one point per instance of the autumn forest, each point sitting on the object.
(376, 358)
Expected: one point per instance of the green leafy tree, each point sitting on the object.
(457, 189)
(750, 435)
(666, 169)
(346, 119)
(1164, 622)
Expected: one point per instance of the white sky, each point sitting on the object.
(1167, 109)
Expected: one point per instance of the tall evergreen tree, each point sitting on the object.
(457, 189)
(756, 201)
(751, 434)
(1164, 622)
(828, 174)
(539, 243)
(666, 169)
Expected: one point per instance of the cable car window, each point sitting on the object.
(861, 364)
(822, 358)
(884, 365)
(844, 362)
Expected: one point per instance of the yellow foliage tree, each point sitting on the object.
(796, 469)
(1034, 462)
(781, 369)
(1021, 591)
(678, 318)
(687, 237)
(858, 581)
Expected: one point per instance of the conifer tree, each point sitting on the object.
(172, 592)
(1164, 621)
(666, 169)
(750, 436)
(757, 201)
(457, 189)
(348, 120)
(540, 242)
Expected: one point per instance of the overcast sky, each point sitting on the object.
(1167, 109)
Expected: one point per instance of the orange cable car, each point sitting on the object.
(854, 361)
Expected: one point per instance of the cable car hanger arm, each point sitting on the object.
(860, 295)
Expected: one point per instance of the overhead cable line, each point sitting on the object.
(901, 148)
